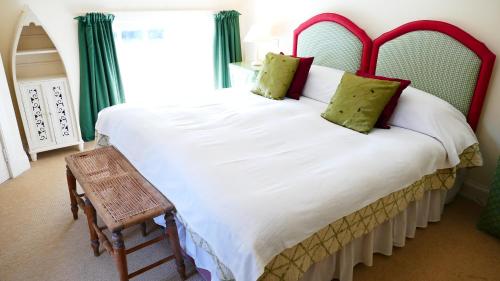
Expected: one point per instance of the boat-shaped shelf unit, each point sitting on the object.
(42, 89)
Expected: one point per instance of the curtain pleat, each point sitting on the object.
(227, 46)
(100, 80)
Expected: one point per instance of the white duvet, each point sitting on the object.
(254, 176)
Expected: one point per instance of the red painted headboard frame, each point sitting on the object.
(485, 55)
(345, 22)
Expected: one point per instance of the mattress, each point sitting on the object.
(256, 177)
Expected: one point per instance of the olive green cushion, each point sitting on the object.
(359, 101)
(489, 221)
(276, 75)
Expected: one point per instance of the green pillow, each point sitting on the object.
(489, 220)
(359, 101)
(276, 75)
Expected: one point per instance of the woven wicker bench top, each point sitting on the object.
(121, 196)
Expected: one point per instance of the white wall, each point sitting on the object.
(481, 18)
(57, 17)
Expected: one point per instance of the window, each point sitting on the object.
(164, 55)
(131, 35)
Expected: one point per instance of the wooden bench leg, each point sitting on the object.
(72, 190)
(144, 229)
(173, 236)
(119, 255)
(92, 219)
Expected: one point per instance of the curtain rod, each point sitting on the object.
(214, 12)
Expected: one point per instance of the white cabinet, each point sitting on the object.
(48, 114)
(243, 73)
(42, 89)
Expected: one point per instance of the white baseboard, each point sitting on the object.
(475, 191)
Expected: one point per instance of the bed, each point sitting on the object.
(268, 190)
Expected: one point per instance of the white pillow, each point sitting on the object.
(427, 114)
(322, 82)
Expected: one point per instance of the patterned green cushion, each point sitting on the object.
(490, 217)
(331, 45)
(358, 102)
(434, 62)
(276, 75)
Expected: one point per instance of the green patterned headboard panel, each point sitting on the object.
(331, 45)
(435, 63)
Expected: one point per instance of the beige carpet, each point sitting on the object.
(40, 241)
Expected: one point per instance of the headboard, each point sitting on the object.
(438, 58)
(333, 41)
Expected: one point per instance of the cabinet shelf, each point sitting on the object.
(42, 78)
(37, 63)
(36, 52)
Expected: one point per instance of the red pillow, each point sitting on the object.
(393, 102)
(300, 77)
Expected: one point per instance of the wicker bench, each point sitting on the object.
(116, 192)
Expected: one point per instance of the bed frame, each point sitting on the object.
(406, 52)
(436, 56)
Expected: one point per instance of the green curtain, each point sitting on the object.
(227, 46)
(100, 81)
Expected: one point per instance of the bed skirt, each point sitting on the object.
(380, 240)
(340, 266)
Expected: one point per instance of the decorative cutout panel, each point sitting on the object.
(61, 111)
(40, 127)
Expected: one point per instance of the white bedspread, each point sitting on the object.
(254, 176)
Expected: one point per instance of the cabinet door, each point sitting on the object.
(56, 92)
(37, 116)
